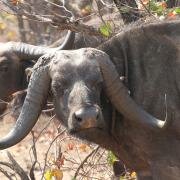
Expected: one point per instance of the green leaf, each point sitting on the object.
(111, 158)
(152, 5)
(157, 7)
(106, 29)
(122, 178)
(177, 10)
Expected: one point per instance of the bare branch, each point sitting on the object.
(3, 102)
(62, 22)
(85, 160)
(5, 173)
(31, 173)
(4, 114)
(17, 167)
(46, 155)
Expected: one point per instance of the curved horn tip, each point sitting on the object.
(161, 124)
(165, 124)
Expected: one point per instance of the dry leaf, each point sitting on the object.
(70, 146)
(83, 147)
(57, 173)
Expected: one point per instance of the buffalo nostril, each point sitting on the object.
(79, 119)
(87, 115)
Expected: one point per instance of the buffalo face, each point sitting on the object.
(76, 87)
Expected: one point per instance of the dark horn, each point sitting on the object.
(120, 98)
(36, 97)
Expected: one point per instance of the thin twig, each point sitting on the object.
(33, 147)
(62, 22)
(5, 173)
(17, 167)
(31, 173)
(44, 128)
(95, 162)
(3, 102)
(144, 6)
(99, 13)
(4, 114)
(46, 155)
(85, 160)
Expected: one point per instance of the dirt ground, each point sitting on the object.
(65, 156)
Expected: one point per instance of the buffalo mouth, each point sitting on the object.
(85, 130)
(96, 135)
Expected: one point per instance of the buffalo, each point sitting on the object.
(15, 58)
(124, 96)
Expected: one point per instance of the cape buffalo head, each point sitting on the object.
(76, 86)
(76, 79)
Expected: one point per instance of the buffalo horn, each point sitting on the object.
(120, 98)
(36, 97)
